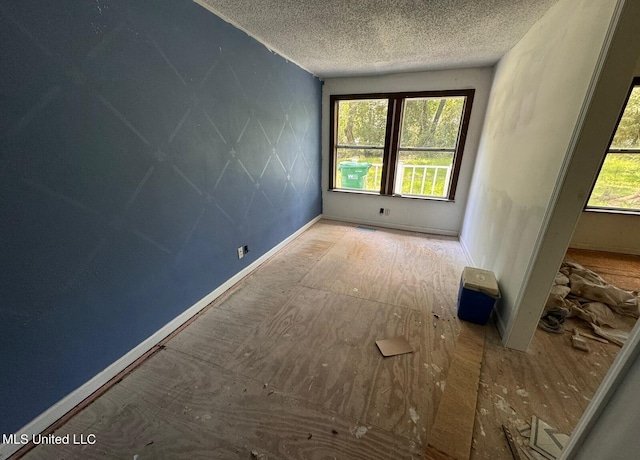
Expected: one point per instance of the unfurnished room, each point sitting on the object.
(265, 229)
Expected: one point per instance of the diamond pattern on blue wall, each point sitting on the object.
(141, 144)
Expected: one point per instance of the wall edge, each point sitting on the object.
(271, 49)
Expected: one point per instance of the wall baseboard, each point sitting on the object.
(606, 248)
(500, 324)
(467, 254)
(408, 228)
(59, 409)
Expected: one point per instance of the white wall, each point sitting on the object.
(429, 216)
(609, 427)
(536, 100)
(607, 232)
(615, 436)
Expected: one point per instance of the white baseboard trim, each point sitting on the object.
(500, 324)
(467, 254)
(606, 248)
(408, 228)
(59, 409)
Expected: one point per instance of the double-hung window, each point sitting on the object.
(617, 188)
(400, 144)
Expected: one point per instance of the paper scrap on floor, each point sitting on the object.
(545, 442)
(531, 454)
(394, 346)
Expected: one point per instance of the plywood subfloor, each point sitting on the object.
(452, 432)
(285, 365)
(552, 381)
(621, 270)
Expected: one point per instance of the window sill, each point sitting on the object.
(404, 197)
(627, 212)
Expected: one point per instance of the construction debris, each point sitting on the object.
(579, 292)
(512, 444)
(544, 441)
(579, 343)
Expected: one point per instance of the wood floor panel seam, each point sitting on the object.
(235, 375)
(259, 382)
(362, 298)
(296, 325)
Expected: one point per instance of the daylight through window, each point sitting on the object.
(618, 185)
(407, 144)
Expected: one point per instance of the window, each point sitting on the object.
(401, 144)
(617, 188)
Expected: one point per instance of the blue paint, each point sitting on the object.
(141, 144)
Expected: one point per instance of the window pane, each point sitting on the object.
(424, 144)
(431, 122)
(618, 184)
(362, 122)
(428, 125)
(359, 169)
(628, 132)
(423, 173)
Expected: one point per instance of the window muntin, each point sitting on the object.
(618, 185)
(411, 143)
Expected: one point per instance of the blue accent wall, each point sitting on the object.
(141, 142)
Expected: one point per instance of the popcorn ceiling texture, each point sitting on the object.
(335, 38)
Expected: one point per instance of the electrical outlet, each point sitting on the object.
(387, 212)
(240, 252)
(381, 211)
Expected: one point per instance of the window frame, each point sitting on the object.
(635, 83)
(392, 138)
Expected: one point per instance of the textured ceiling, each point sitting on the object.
(332, 38)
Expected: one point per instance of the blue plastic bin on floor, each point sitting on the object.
(477, 296)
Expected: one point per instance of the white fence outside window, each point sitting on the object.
(419, 182)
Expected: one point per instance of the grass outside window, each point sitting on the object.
(400, 144)
(617, 188)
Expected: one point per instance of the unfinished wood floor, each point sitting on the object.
(621, 270)
(552, 380)
(285, 366)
